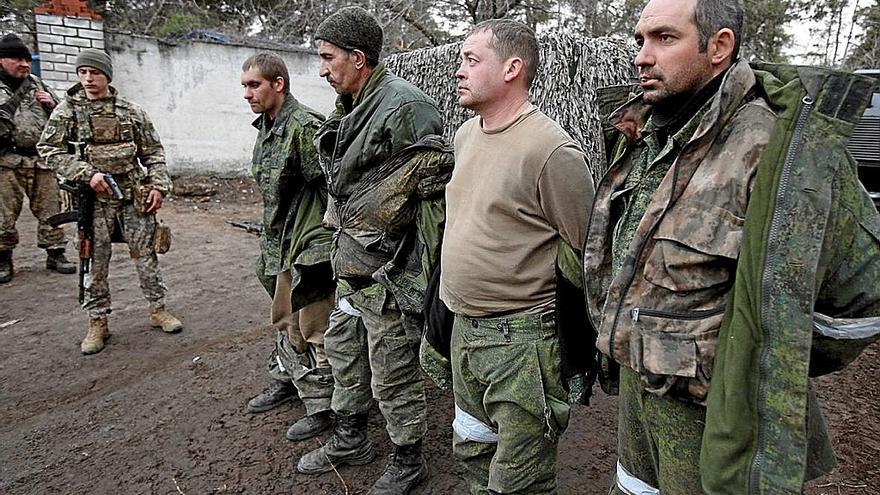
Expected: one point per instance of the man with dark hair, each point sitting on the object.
(386, 167)
(25, 105)
(294, 263)
(505, 218)
(92, 133)
(715, 239)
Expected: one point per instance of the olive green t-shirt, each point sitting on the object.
(513, 193)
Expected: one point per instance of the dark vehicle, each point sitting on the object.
(865, 142)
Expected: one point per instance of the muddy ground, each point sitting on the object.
(164, 414)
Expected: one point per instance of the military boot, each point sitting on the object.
(276, 394)
(310, 426)
(348, 445)
(406, 468)
(160, 317)
(96, 335)
(5, 266)
(56, 261)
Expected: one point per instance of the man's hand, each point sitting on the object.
(98, 184)
(154, 201)
(45, 99)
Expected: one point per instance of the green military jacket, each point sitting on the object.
(285, 167)
(110, 135)
(382, 165)
(28, 122)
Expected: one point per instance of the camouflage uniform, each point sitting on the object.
(294, 263)
(661, 259)
(111, 135)
(22, 172)
(376, 161)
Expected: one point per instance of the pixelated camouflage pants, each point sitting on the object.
(41, 188)
(308, 371)
(506, 375)
(137, 230)
(376, 355)
(658, 438)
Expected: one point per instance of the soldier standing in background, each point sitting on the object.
(25, 105)
(294, 265)
(95, 132)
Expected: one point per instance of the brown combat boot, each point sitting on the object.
(160, 317)
(96, 335)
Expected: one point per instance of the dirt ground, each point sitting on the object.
(164, 414)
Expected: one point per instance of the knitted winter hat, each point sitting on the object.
(97, 59)
(11, 46)
(353, 28)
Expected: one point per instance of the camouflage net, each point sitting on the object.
(571, 70)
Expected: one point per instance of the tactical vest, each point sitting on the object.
(106, 135)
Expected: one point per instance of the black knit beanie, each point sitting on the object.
(97, 59)
(11, 46)
(353, 28)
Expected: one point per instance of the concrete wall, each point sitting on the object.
(192, 92)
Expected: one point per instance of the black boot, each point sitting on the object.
(406, 468)
(310, 426)
(55, 260)
(276, 393)
(5, 266)
(348, 445)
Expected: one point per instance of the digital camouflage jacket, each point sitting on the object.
(285, 167)
(28, 123)
(386, 167)
(109, 135)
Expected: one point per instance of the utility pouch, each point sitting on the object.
(162, 238)
(115, 158)
(139, 194)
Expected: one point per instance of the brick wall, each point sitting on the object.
(64, 28)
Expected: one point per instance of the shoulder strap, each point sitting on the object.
(8, 109)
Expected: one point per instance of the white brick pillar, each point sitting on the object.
(59, 40)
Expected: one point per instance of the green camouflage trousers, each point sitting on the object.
(137, 230)
(658, 439)
(373, 350)
(41, 188)
(309, 371)
(510, 404)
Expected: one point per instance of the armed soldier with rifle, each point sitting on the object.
(25, 105)
(94, 133)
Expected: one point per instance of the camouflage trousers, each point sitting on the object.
(658, 439)
(41, 188)
(308, 371)
(137, 231)
(510, 404)
(373, 350)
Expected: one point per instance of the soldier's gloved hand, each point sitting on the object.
(98, 184)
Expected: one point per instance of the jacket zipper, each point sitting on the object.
(702, 314)
(772, 237)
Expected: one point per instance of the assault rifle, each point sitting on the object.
(249, 227)
(84, 216)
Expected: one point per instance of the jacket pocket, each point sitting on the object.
(695, 247)
(677, 343)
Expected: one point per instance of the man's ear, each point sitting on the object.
(278, 84)
(360, 60)
(720, 46)
(513, 69)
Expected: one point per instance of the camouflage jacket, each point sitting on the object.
(285, 167)
(659, 309)
(810, 247)
(28, 123)
(110, 135)
(368, 151)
